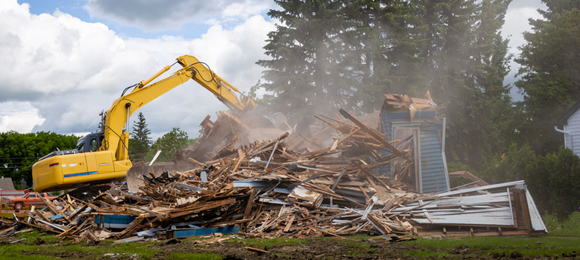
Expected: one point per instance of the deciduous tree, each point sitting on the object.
(18, 152)
(169, 144)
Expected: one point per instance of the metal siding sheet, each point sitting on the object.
(406, 116)
(431, 149)
(438, 185)
(433, 177)
(433, 173)
(430, 128)
(500, 218)
(386, 128)
(537, 222)
(432, 166)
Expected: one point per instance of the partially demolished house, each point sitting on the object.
(419, 125)
(325, 187)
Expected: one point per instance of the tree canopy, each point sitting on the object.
(169, 144)
(327, 54)
(18, 152)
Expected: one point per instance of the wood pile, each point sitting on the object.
(261, 189)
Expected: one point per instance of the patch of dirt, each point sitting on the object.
(316, 248)
(328, 248)
(68, 255)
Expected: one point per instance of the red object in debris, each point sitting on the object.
(30, 199)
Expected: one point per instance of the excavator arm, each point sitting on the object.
(110, 161)
(144, 92)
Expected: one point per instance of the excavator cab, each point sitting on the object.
(90, 143)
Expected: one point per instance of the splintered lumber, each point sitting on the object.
(372, 133)
(133, 226)
(49, 205)
(199, 208)
(384, 229)
(269, 190)
(250, 204)
(289, 224)
(90, 236)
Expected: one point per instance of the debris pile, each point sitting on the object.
(265, 189)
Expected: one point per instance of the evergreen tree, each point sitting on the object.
(550, 72)
(140, 140)
(466, 62)
(366, 48)
(304, 72)
(382, 44)
(341, 54)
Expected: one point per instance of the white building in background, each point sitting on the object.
(571, 128)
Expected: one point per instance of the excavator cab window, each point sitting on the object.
(94, 145)
(90, 143)
(81, 145)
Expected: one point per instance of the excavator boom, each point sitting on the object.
(107, 158)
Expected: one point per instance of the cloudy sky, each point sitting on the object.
(63, 62)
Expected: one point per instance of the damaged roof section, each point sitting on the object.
(415, 106)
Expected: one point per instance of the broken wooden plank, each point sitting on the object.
(372, 133)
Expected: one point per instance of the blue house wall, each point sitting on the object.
(432, 168)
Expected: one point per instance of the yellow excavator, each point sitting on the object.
(104, 157)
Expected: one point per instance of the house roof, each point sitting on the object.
(564, 119)
(6, 183)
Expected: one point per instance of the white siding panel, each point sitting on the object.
(574, 128)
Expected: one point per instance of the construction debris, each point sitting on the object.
(265, 189)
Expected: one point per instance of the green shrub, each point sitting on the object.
(551, 221)
(573, 222)
(509, 166)
(553, 179)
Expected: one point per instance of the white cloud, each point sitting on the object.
(516, 23)
(535, 4)
(70, 70)
(237, 61)
(18, 116)
(50, 53)
(161, 15)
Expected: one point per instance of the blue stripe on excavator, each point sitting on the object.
(80, 174)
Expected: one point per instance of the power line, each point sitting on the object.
(17, 158)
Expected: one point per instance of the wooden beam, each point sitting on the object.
(372, 133)
(250, 204)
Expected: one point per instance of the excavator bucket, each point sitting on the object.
(135, 179)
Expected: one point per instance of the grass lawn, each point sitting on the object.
(558, 243)
(44, 246)
(563, 242)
